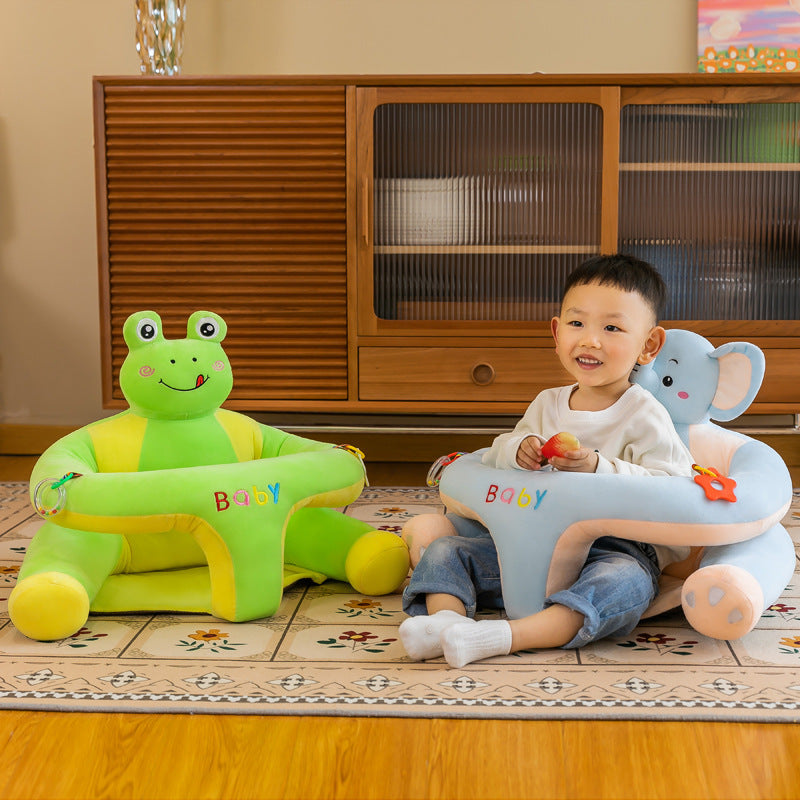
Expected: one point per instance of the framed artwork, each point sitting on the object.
(748, 35)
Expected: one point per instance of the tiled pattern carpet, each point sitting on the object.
(331, 651)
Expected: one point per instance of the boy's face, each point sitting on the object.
(602, 332)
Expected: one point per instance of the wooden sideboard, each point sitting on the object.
(396, 244)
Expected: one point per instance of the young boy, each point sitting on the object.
(608, 323)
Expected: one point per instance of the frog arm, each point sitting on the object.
(251, 439)
(72, 453)
(276, 442)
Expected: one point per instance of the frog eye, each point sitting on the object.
(147, 329)
(207, 328)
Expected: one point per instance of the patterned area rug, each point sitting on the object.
(330, 651)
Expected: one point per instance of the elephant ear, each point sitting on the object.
(741, 371)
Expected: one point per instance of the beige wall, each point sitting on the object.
(50, 49)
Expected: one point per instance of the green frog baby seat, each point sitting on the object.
(179, 505)
(544, 522)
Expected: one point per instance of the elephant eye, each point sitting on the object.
(667, 380)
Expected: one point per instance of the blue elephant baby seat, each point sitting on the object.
(544, 522)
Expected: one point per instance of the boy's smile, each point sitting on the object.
(602, 332)
(585, 362)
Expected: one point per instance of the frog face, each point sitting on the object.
(175, 378)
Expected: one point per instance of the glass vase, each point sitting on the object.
(159, 35)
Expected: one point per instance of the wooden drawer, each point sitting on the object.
(498, 374)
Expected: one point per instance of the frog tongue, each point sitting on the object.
(200, 381)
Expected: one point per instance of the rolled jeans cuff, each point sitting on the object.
(594, 627)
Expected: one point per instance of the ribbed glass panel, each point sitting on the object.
(481, 210)
(711, 195)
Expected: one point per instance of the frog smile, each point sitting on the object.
(201, 379)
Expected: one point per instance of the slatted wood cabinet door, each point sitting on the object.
(228, 198)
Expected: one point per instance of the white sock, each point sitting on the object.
(463, 644)
(421, 636)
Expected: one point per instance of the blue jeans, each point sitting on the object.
(616, 585)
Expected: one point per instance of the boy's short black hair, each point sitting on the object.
(626, 272)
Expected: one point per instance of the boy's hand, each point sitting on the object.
(580, 460)
(529, 453)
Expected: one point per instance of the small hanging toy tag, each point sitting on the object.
(439, 466)
(359, 455)
(715, 485)
(43, 492)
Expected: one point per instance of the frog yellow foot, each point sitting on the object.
(377, 563)
(48, 606)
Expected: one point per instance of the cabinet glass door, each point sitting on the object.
(480, 210)
(710, 193)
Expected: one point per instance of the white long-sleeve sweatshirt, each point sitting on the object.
(634, 436)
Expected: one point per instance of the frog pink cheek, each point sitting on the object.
(219, 366)
(146, 371)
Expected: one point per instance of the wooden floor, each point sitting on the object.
(81, 756)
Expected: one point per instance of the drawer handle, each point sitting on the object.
(482, 374)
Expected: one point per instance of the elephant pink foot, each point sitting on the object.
(722, 601)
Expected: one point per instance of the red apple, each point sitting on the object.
(559, 444)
